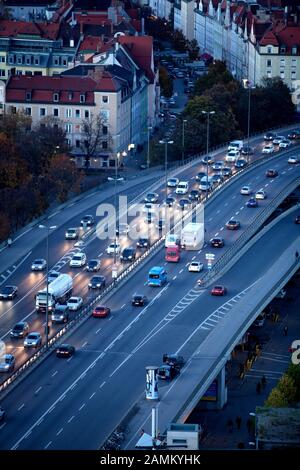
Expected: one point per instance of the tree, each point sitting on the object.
(179, 41)
(217, 73)
(166, 83)
(64, 177)
(5, 227)
(287, 387)
(95, 134)
(294, 372)
(276, 399)
(193, 49)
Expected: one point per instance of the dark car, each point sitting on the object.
(87, 221)
(143, 243)
(93, 265)
(194, 195)
(170, 201)
(200, 175)
(252, 202)
(97, 282)
(217, 178)
(184, 203)
(271, 173)
(60, 314)
(233, 224)
(128, 255)
(20, 330)
(240, 163)
(122, 229)
(297, 219)
(7, 363)
(269, 136)
(65, 350)
(217, 242)
(247, 151)
(294, 135)
(149, 218)
(138, 300)
(168, 372)
(227, 171)
(8, 292)
(173, 359)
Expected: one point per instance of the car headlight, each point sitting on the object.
(90, 284)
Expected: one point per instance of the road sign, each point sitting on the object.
(210, 256)
(114, 273)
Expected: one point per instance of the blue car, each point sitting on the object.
(252, 202)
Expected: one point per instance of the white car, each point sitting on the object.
(278, 139)
(182, 188)
(78, 260)
(285, 143)
(53, 275)
(33, 340)
(74, 303)
(217, 166)
(268, 149)
(246, 190)
(195, 267)
(151, 197)
(39, 265)
(173, 182)
(232, 155)
(148, 207)
(261, 194)
(293, 160)
(113, 248)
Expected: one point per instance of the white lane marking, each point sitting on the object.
(216, 234)
(97, 331)
(20, 407)
(233, 197)
(267, 184)
(120, 365)
(70, 359)
(218, 212)
(180, 271)
(40, 421)
(48, 445)
(209, 220)
(100, 255)
(2, 426)
(62, 398)
(92, 395)
(103, 383)
(237, 212)
(192, 260)
(82, 406)
(226, 204)
(241, 208)
(123, 306)
(17, 266)
(71, 419)
(84, 344)
(60, 431)
(73, 386)
(187, 264)
(174, 278)
(38, 390)
(54, 373)
(222, 228)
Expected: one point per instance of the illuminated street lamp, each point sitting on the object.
(208, 114)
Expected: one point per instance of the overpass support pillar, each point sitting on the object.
(215, 397)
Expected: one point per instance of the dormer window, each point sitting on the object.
(269, 49)
(28, 95)
(70, 95)
(282, 49)
(294, 50)
(55, 97)
(82, 98)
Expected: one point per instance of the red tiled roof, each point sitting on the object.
(137, 24)
(289, 36)
(141, 49)
(91, 44)
(10, 28)
(43, 87)
(269, 39)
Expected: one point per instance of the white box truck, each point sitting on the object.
(59, 290)
(236, 145)
(192, 236)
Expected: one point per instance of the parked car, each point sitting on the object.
(87, 221)
(195, 267)
(33, 340)
(65, 350)
(217, 242)
(72, 234)
(100, 311)
(20, 330)
(218, 290)
(139, 300)
(233, 224)
(93, 265)
(97, 282)
(271, 173)
(74, 303)
(8, 292)
(78, 260)
(7, 363)
(39, 264)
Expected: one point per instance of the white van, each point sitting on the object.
(206, 183)
(236, 145)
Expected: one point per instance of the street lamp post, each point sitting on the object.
(208, 114)
(48, 228)
(248, 121)
(118, 154)
(183, 124)
(165, 143)
(149, 128)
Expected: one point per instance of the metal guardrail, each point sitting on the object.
(124, 275)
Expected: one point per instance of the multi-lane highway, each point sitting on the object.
(93, 390)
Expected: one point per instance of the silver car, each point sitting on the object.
(39, 265)
(7, 363)
(33, 340)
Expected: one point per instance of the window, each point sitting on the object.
(269, 63)
(55, 112)
(68, 128)
(282, 62)
(294, 61)
(19, 72)
(2, 73)
(104, 144)
(56, 60)
(28, 95)
(65, 62)
(28, 60)
(82, 98)
(269, 74)
(19, 60)
(104, 99)
(282, 50)
(104, 130)
(179, 441)
(68, 112)
(28, 111)
(77, 113)
(68, 142)
(2, 58)
(293, 74)
(281, 73)
(294, 50)
(11, 59)
(42, 112)
(55, 97)
(38, 73)
(77, 143)
(37, 61)
(86, 114)
(70, 95)
(105, 114)
(28, 73)
(269, 50)
(13, 109)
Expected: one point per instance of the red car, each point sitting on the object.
(100, 312)
(218, 290)
(271, 173)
